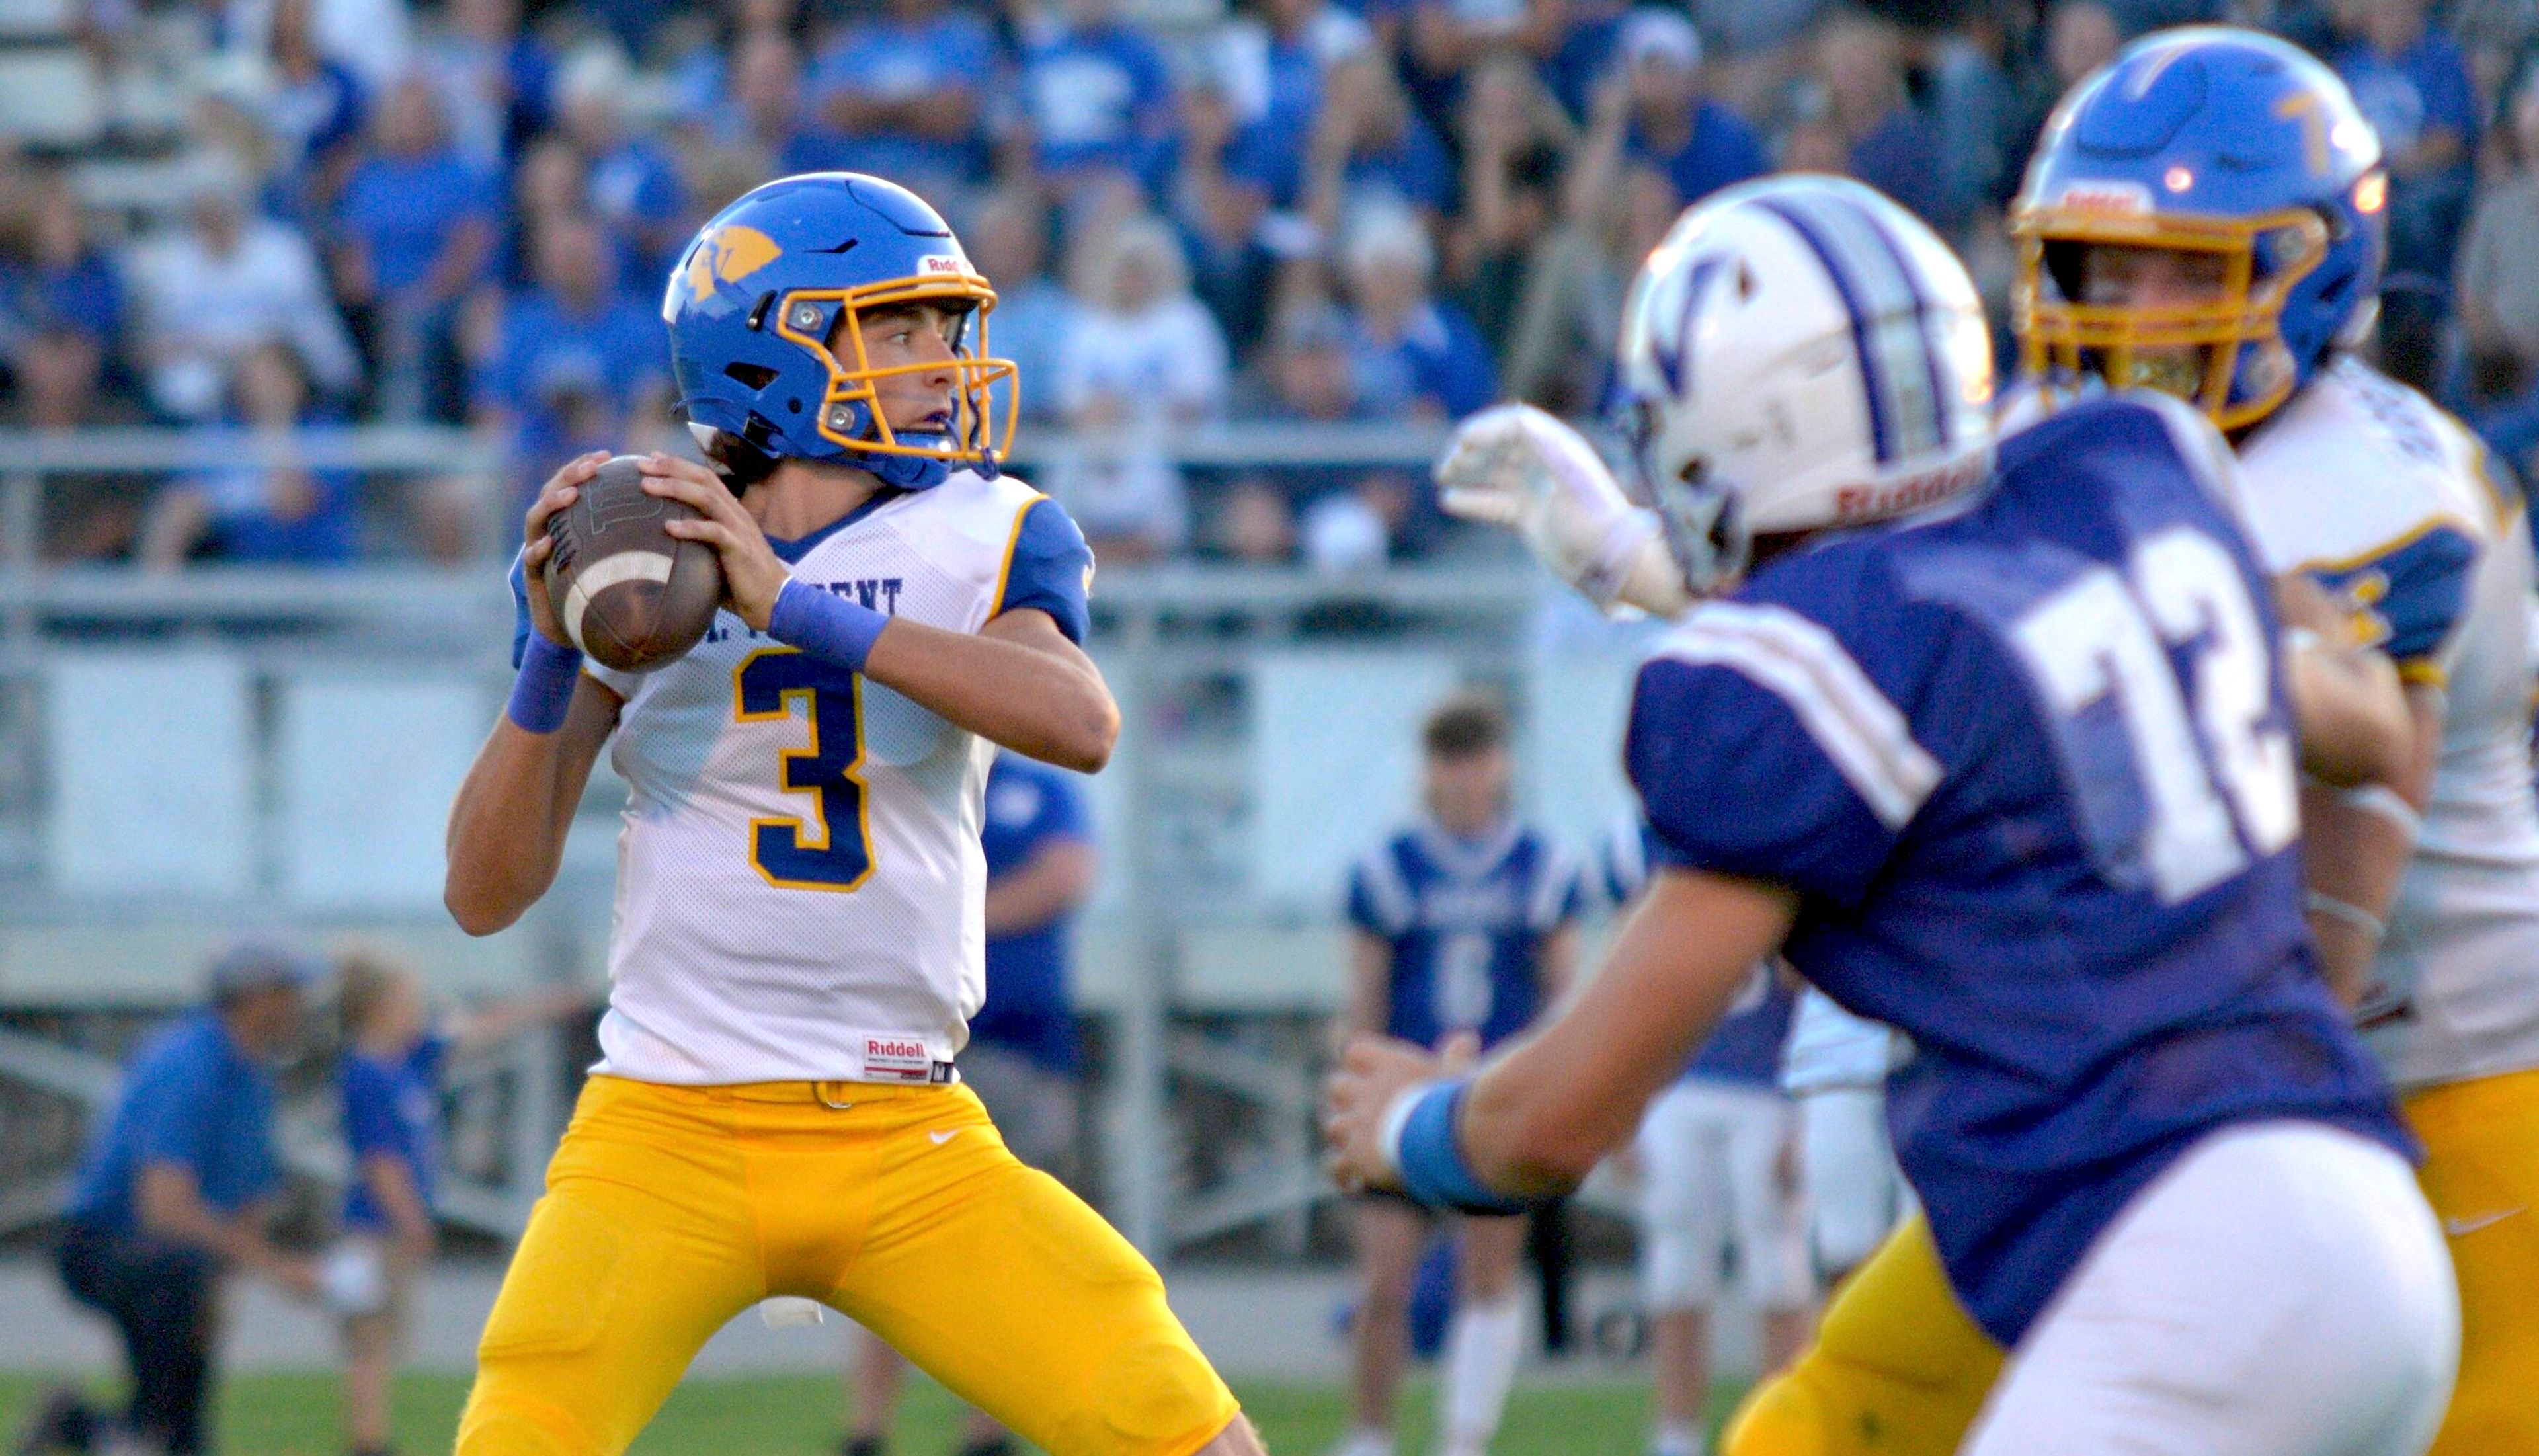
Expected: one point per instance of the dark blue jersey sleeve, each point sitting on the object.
(1047, 566)
(1760, 748)
(1379, 897)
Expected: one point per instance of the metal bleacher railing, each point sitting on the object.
(1269, 732)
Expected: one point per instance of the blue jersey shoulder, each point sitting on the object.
(1050, 567)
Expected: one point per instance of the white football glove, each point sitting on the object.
(1513, 465)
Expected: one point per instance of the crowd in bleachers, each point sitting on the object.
(1288, 210)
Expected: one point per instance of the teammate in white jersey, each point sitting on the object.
(797, 939)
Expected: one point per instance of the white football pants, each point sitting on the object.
(1710, 1154)
(2281, 1290)
(1855, 1192)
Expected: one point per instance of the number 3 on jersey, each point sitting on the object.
(834, 853)
(2151, 804)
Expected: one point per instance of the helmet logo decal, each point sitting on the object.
(727, 255)
(2303, 106)
(934, 263)
(1672, 354)
(2110, 199)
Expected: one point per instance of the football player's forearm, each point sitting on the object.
(1037, 695)
(2353, 715)
(507, 827)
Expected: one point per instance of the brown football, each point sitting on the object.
(629, 592)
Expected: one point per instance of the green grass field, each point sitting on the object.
(279, 1414)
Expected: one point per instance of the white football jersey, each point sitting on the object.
(799, 882)
(2367, 485)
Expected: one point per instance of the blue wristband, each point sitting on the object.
(825, 624)
(543, 691)
(1432, 1166)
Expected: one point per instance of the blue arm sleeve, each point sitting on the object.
(1062, 812)
(1049, 567)
(2411, 597)
(1732, 780)
(175, 1121)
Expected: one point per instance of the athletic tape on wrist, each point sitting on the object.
(2347, 913)
(2383, 801)
(1424, 1153)
(824, 624)
(543, 693)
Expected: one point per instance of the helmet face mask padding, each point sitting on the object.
(767, 310)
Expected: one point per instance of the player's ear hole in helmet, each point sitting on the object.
(769, 309)
(2230, 151)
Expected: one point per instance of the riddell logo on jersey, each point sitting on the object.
(892, 1050)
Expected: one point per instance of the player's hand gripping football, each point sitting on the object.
(751, 573)
(1516, 466)
(561, 489)
(1373, 1071)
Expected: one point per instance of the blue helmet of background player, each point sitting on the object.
(766, 307)
(2216, 141)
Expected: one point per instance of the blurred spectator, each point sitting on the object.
(267, 509)
(551, 183)
(1009, 243)
(1976, 109)
(766, 110)
(1572, 310)
(1650, 113)
(226, 284)
(61, 311)
(635, 188)
(2499, 292)
(493, 77)
(316, 111)
(1371, 146)
(904, 83)
(1448, 38)
(1271, 80)
(1219, 210)
(2080, 35)
(574, 356)
(1255, 524)
(1409, 354)
(1095, 97)
(2411, 83)
(1887, 144)
(369, 37)
(174, 1191)
(1512, 135)
(414, 232)
(1144, 358)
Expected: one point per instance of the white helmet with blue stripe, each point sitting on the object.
(1801, 353)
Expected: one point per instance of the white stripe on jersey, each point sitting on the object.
(1381, 870)
(1864, 736)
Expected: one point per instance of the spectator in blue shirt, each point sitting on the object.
(635, 185)
(1023, 1058)
(494, 78)
(2411, 81)
(905, 85)
(391, 1087)
(1304, 39)
(1096, 97)
(61, 313)
(1372, 147)
(1888, 144)
(576, 357)
(1411, 356)
(414, 233)
(173, 1191)
(1448, 38)
(765, 111)
(1665, 119)
(316, 112)
(1009, 244)
(266, 508)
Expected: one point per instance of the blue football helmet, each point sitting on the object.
(2211, 140)
(768, 297)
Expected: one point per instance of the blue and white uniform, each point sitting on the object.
(2028, 764)
(1465, 922)
(758, 772)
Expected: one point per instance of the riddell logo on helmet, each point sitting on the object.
(938, 263)
(2105, 198)
(1877, 501)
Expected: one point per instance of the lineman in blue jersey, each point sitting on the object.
(2009, 763)
(799, 936)
(1715, 1176)
(1464, 927)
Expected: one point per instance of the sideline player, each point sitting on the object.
(2366, 485)
(2014, 773)
(1716, 1174)
(1023, 1058)
(798, 935)
(1464, 925)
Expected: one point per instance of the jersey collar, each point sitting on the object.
(1468, 858)
(794, 550)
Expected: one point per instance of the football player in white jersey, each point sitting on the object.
(797, 939)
